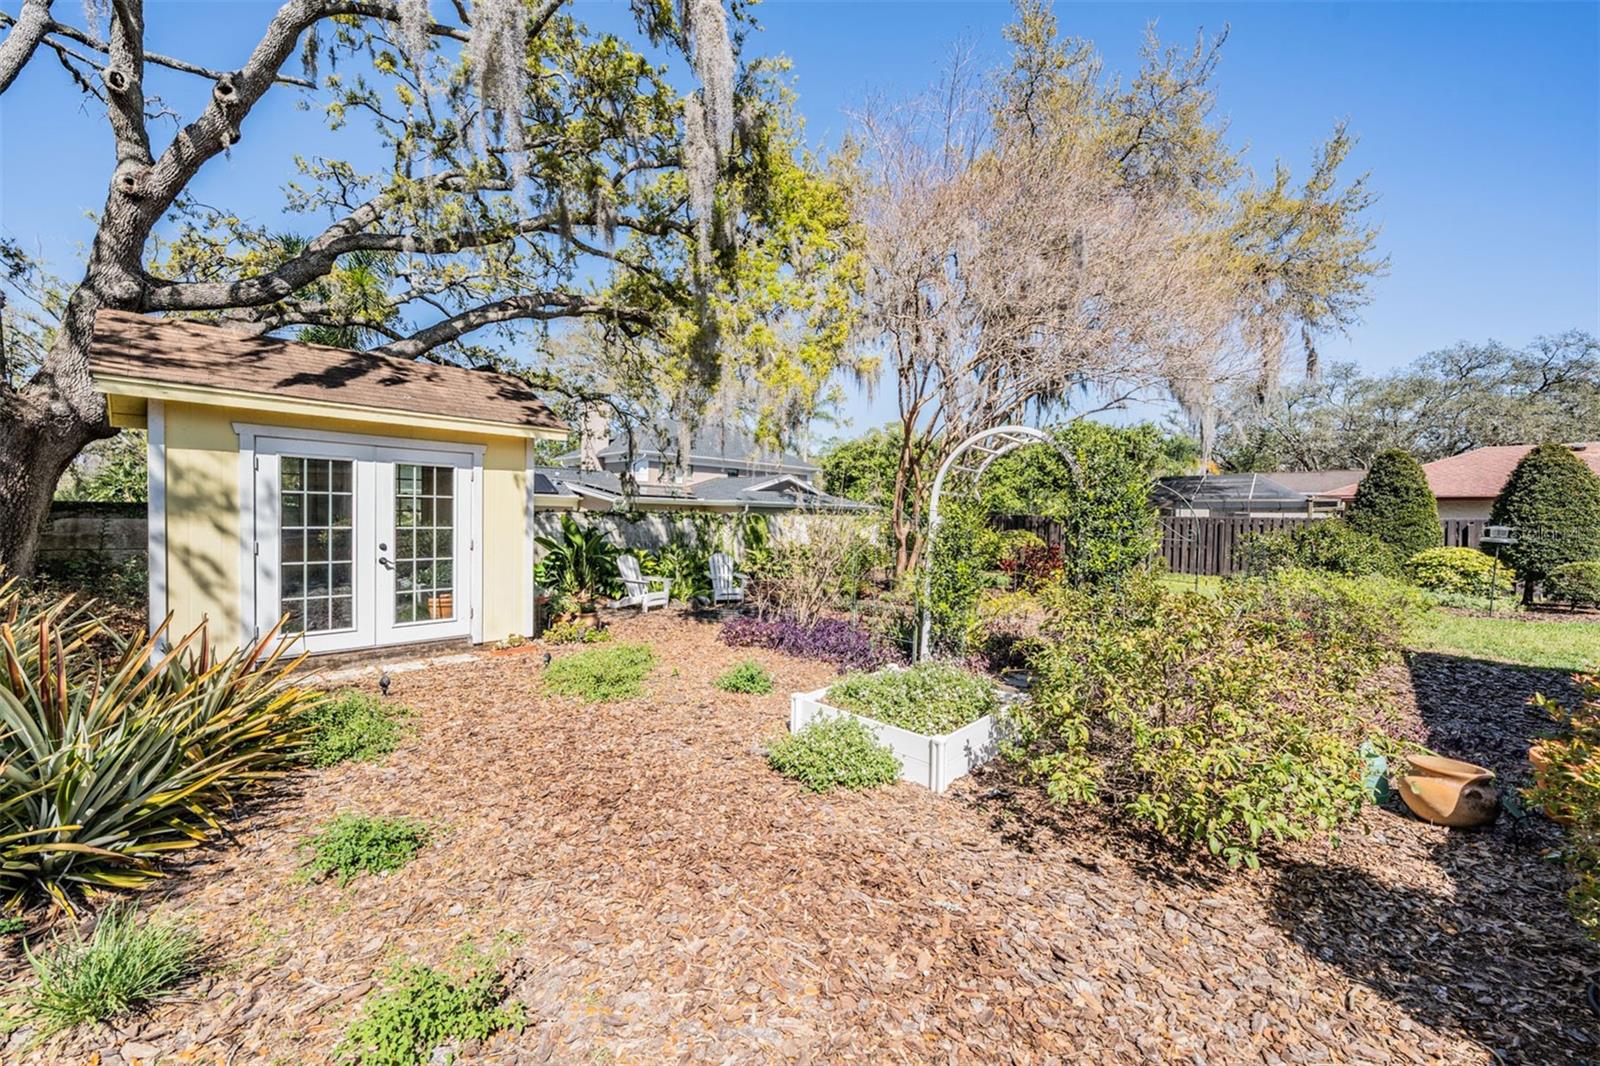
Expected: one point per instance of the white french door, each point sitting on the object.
(361, 545)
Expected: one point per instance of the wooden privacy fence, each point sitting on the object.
(1210, 546)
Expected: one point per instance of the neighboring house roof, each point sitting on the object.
(718, 444)
(1315, 482)
(1235, 492)
(175, 352)
(1481, 473)
(766, 492)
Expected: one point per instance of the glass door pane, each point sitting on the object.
(316, 587)
(424, 550)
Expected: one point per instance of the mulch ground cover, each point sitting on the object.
(657, 894)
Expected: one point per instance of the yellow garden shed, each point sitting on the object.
(371, 501)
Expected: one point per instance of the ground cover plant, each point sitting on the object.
(352, 844)
(834, 752)
(834, 640)
(1223, 722)
(115, 753)
(574, 632)
(421, 1008)
(600, 675)
(355, 726)
(125, 962)
(748, 677)
(930, 698)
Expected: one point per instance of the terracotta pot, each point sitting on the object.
(441, 606)
(1449, 792)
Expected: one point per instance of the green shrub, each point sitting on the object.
(1394, 504)
(580, 561)
(351, 845)
(1568, 787)
(115, 753)
(1327, 544)
(929, 698)
(422, 1008)
(124, 963)
(1466, 571)
(600, 675)
(834, 752)
(1552, 501)
(749, 676)
(1220, 722)
(355, 726)
(571, 632)
(1575, 583)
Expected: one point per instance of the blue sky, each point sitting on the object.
(1480, 124)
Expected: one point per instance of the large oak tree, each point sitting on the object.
(532, 171)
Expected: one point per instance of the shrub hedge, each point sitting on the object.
(1462, 571)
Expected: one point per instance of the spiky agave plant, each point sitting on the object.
(108, 759)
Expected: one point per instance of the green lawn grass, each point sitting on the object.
(1206, 585)
(1551, 645)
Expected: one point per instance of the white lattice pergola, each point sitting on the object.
(970, 459)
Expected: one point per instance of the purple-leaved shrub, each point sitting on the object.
(832, 640)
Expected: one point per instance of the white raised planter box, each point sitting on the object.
(933, 762)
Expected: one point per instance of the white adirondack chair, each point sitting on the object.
(641, 591)
(727, 584)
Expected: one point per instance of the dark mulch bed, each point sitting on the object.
(659, 895)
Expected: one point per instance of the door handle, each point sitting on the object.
(384, 562)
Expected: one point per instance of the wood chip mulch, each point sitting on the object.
(657, 894)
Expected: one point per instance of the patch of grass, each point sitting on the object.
(929, 698)
(749, 676)
(1204, 584)
(600, 675)
(834, 752)
(12, 926)
(353, 725)
(422, 1008)
(1555, 645)
(125, 963)
(352, 844)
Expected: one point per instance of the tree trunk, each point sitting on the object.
(42, 427)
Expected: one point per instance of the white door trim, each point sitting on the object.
(249, 433)
(156, 512)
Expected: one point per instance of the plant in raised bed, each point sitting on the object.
(929, 698)
(355, 726)
(124, 963)
(748, 677)
(835, 752)
(422, 1008)
(600, 675)
(352, 844)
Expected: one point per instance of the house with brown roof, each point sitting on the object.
(367, 501)
(1466, 485)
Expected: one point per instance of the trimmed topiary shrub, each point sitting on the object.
(1328, 545)
(1552, 502)
(1462, 571)
(1394, 504)
(1575, 583)
(835, 752)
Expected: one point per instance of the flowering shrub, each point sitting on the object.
(1567, 788)
(1222, 723)
(829, 639)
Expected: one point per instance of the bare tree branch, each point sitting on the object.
(27, 30)
(542, 306)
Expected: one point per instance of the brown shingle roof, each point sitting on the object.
(1481, 473)
(179, 352)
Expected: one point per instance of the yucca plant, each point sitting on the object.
(109, 758)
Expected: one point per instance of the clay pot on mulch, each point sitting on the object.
(1449, 792)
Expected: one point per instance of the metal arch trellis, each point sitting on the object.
(989, 445)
